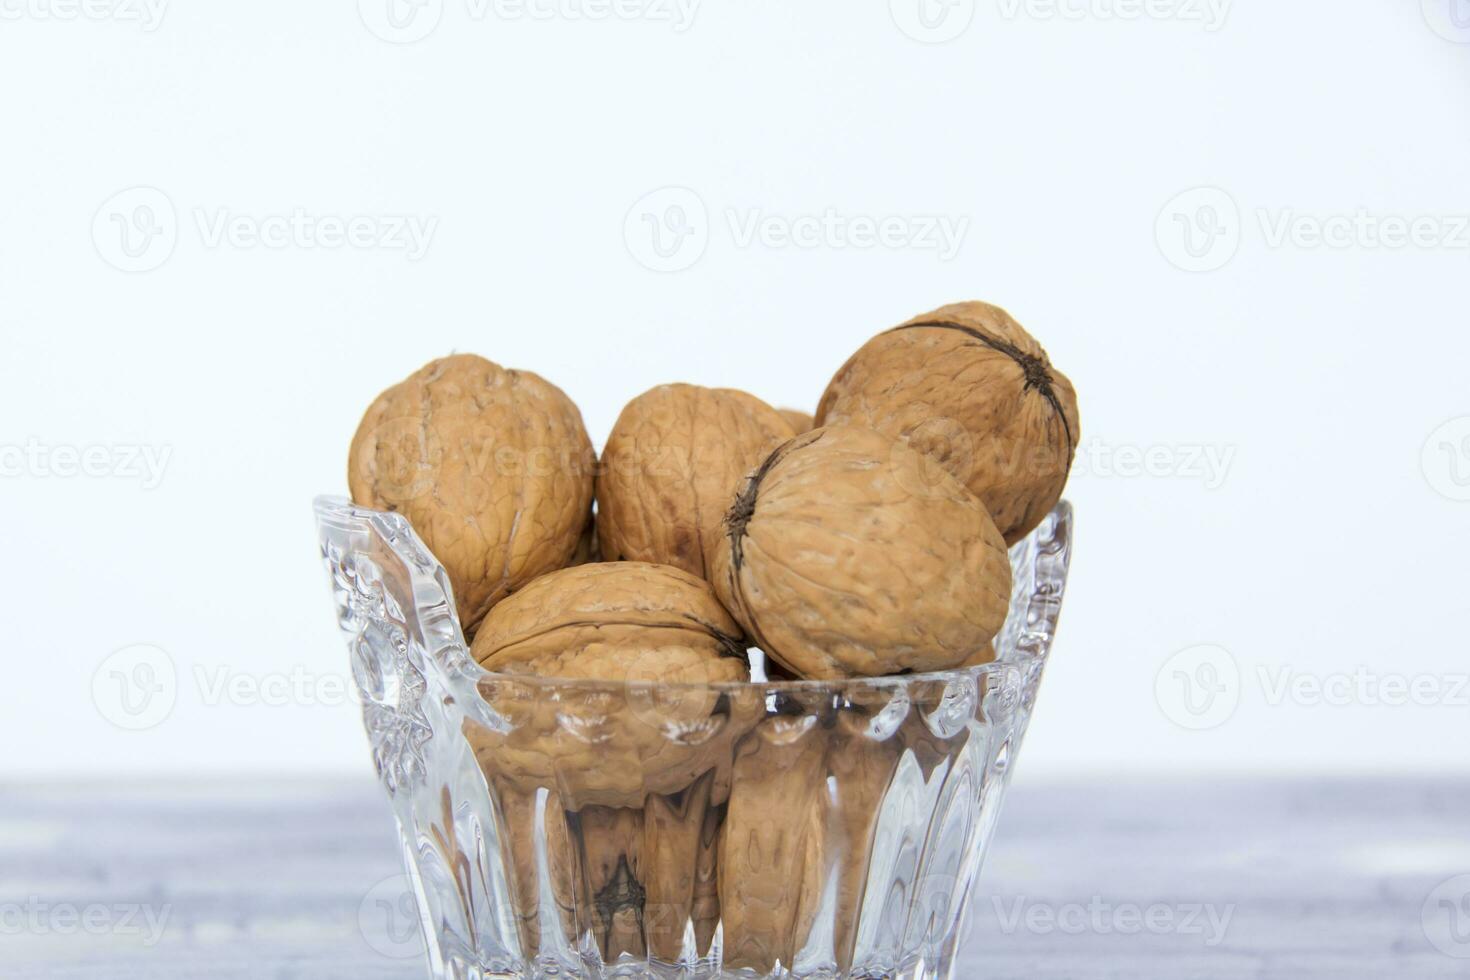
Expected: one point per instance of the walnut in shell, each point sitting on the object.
(670, 465)
(491, 466)
(635, 773)
(969, 386)
(845, 555)
(773, 851)
(655, 626)
(798, 420)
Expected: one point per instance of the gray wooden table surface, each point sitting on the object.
(1172, 880)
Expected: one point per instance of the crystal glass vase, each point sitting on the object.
(574, 829)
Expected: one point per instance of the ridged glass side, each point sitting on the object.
(575, 829)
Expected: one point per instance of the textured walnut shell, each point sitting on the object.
(670, 466)
(491, 466)
(636, 777)
(772, 855)
(845, 554)
(619, 622)
(970, 387)
(860, 768)
(798, 420)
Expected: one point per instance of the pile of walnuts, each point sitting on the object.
(868, 540)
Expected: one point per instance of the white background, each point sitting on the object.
(1331, 541)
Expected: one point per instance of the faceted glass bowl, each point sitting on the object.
(578, 829)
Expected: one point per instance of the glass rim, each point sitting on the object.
(338, 509)
(894, 682)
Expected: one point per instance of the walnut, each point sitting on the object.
(636, 774)
(773, 850)
(861, 763)
(492, 467)
(798, 420)
(845, 555)
(650, 625)
(588, 552)
(970, 387)
(670, 466)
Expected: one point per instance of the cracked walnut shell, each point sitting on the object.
(845, 555)
(670, 466)
(492, 467)
(969, 386)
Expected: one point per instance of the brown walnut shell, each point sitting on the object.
(798, 420)
(969, 386)
(658, 628)
(492, 467)
(846, 554)
(670, 466)
(636, 776)
(773, 851)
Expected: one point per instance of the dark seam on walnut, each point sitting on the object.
(737, 520)
(1033, 367)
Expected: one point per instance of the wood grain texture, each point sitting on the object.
(296, 880)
